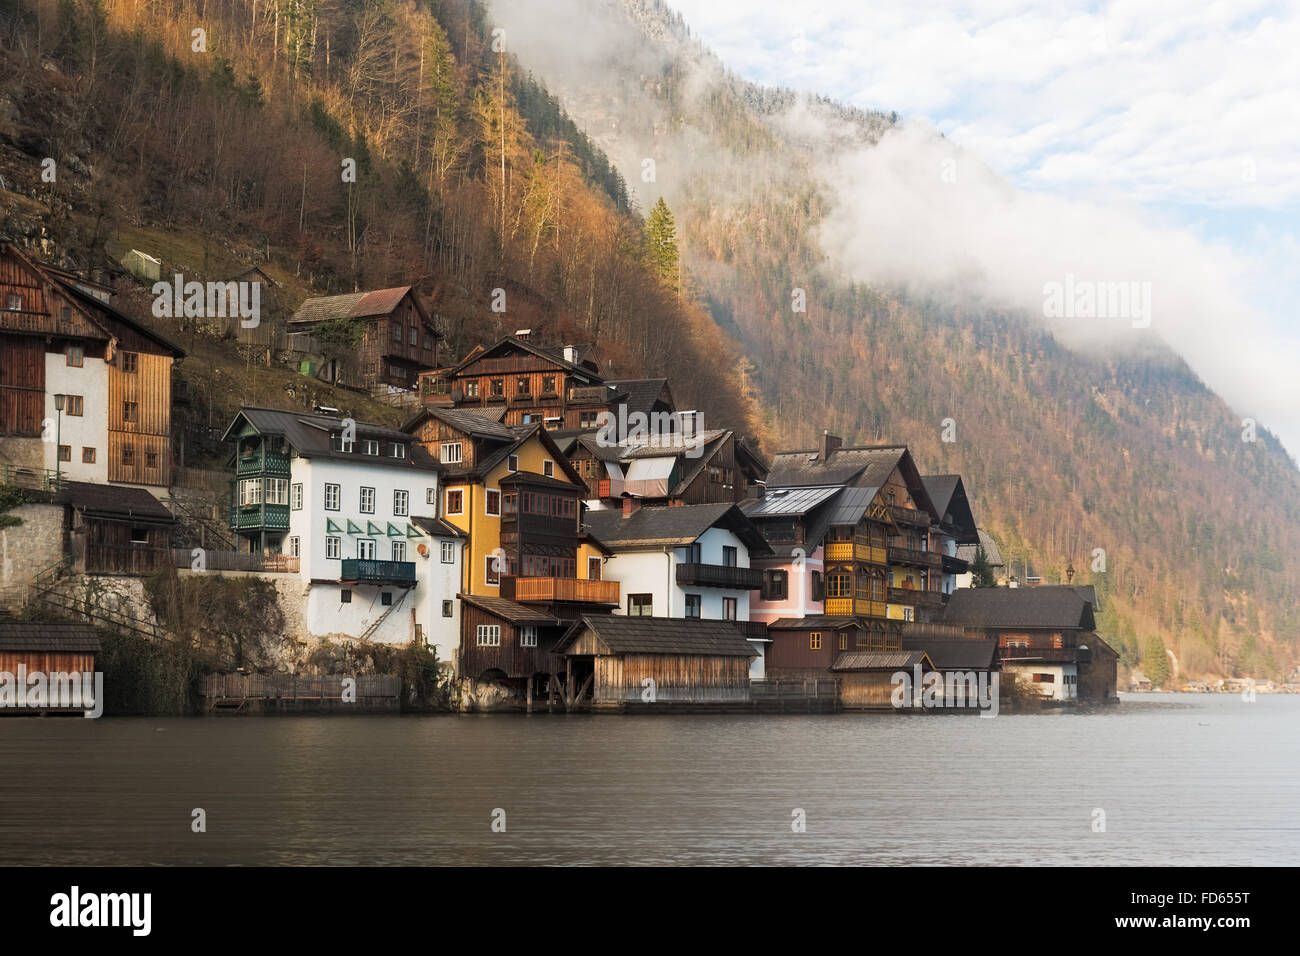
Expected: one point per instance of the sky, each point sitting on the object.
(1183, 118)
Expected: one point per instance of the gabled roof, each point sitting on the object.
(784, 502)
(660, 635)
(357, 305)
(1054, 608)
(509, 610)
(966, 552)
(112, 314)
(473, 422)
(971, 653)
(879, 660)
(39, 636)
(641, 394)
(868, 467)
(549, 354)
(119, 502)
(310, 434)
(812, 622)
(950, 503)
(666, 526)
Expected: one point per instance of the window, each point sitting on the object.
(691, 554)
(15, 303)
(332, 497)
(455, 501)
(728, 609)
(909, 613)
(399, 550)
(295, 497)
(386, 598)
(295, 547)
(528, 635)
(640, 605)
(88, 456)
(1044, 678)
(492, 570)
(76, 405)
(692, 605)
(448, 552)
(492, 502)
(818, 586)
(595, 568)
(839, 585)
(128, 456)
(431, 496)
(498, 387)
(523, 385)
(342, 443)
(471, 388)
(366, 549)
(776, 585)
(588, 420)
(331, 547)
(151, 461)
(277, 491)
(451, 453)
(65, 453)
(130, 362)
(371, 446)
(446, 609)
(367, 501)
(512, 462)
(548, 468)
(397, 331)
(401, 502)
(728, 556)
(815, 641)
(414, 336)
(548, 384)
(396, 450)
(250, 491)
(428, 340)
(489, 635)
(844, 641)
(130, 411)
(345, 596)
(139, 535)
(75, 356)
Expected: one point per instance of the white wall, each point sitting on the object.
(440, 582)
(1059, 689)
(655, 573)
(89, 430)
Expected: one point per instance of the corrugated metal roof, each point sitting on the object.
(877, 660)
(789, 501)
(851, 505)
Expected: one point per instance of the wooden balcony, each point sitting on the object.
(260, 462)
(259, 517)
(183, 558)
(755, 630)
(366, 571)
(922, 559)
(915, 597)
(548, 590)
(855, 551)
(910, 516)
(1047, 655)
(855, 607)
(719, 576)
(588, 395)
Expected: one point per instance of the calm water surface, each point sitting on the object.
(1183, 779)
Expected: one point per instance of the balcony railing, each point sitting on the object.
(952, 565)
(235, 561)
(1051, 655)
(916, 597)
(580, 590)
(272, 463)
(719, 576)
(366, 571)
(855, 607)
(588, 394)
(855, 551)
(755, 630)
(926, 559)
(911, 516)
(259, 517)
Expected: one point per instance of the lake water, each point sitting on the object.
(1183, 779)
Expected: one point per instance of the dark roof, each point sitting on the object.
(966, 552)
(54, 638)
(115, 501)
(949, 497)
(640, 394)
(1043, 607)
(555, 355)
(1085, 591)
(867, 466)
(970, 653)
(509, 610)
(356, 305)
(661, 635)
(310, 436)
(119, 316)
(877, 660)
(662, 526)
(473, 422)
(437, 527)
(826, 621)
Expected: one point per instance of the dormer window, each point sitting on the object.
(371, 446)
(343, 444)
(397, 450)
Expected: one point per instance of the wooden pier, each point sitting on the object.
(237, 694)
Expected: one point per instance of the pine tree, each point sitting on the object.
(661, 243)
(981, 571)
(1155, 661)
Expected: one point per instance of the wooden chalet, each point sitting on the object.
(64, 343)
(654, 661)
(1046, 635)
(807, 647)
(509, 643)
(399, 341)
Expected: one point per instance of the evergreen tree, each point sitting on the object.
(1155, 661)
(981, 571)
(661, 242)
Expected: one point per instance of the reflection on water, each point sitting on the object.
(1183, 779)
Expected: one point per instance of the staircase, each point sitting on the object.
(365, 636)
(47, 589)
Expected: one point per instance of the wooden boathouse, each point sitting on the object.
(51, 649)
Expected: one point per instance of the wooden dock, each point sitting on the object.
(237, 694)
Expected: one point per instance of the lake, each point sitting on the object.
(1182, 778)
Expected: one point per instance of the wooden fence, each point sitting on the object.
(247, 693)
(237, 561)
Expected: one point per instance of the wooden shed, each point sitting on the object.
(30, 647)
(116, 529)
(689, 660)
(867, 677)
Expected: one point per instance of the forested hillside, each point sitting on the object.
(1063, 451)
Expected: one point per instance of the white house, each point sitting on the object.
(341, 497)
(77, 437)
(685, 561)
(438, 573)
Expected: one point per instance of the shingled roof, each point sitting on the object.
(115, 501)
(1054, 608)
(972, 653)
(966, 552)
(878, 660)
(508, 610)
(39, 636)
(640, 394)
(310, 435)
(354, 305)
(661, 635)
(671, 527)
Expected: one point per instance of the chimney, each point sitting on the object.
(631, 506)
(830, 444)
(571, 355)
(523, 334)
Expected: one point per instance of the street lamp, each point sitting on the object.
(59, 401)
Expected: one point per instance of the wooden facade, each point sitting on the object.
(509, 660)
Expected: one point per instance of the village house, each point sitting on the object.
(337, 498)
(1046, 638)
(100, 381)
(955, 527)
(398, 338)
(689, 561)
